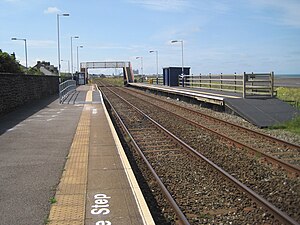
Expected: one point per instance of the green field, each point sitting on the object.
(291, 95)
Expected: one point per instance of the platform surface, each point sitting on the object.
(70, 151)
(262, 112)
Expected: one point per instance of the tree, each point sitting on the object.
(34, 71)
(9, 64)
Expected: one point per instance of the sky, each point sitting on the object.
(219, 36)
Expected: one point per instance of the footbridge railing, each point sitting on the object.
(65, 88)
(249, 84)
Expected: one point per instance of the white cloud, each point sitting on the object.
(51, 10)
(286, 12)
(162, 5)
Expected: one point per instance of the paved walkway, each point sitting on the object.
(34, 143)
(97, 185)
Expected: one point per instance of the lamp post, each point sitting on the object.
(156, 52)
(175, 41)
(72, 54)
(140, 57)
(77, 57)
(58, 44)
(68, 64)
(22, 39)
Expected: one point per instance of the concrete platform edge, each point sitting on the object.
(137, 193)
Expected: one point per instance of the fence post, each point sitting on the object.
(234, 82)
(244, 85)
(210, 80)
(200, 80)
(272, 84)
(221, 85)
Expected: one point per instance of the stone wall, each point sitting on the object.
(16, 90)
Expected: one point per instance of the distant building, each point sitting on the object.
(135, 71)
(46, 68)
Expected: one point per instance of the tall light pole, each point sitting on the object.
(156, 52)
(175, 41)
(140, 57)
(68, 64)
(58, 44)
(22, 39)
(77, 57)
(72, 54)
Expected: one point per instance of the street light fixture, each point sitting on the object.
(22, 39)
(175, 41)
(156, 52)
(68, 64)
(77, 57)
(140, 57)
(72, 54)
(58, 44)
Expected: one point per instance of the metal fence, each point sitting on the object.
(249, 84)
(65, 88)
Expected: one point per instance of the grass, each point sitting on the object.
(53, 200)
(291, 95)
(292, 126)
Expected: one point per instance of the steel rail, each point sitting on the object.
(280, 215)
(267, 157)
(173, 203)
(297, 147)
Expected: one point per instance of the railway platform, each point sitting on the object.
(262, 112)
(70, 151)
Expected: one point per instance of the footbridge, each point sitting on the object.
(126, 66)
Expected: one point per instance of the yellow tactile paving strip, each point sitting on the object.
(71, 191)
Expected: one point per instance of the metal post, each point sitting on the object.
(141, 57)
(142, 68)
(26, 53)
(25, 44)
(174, 41)
(72, 55)
(182, 71)
(72, 58)
(58, 45)
(69, 66)
(77, 57)
(157, 65)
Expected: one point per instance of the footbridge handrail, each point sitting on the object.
(65, 88)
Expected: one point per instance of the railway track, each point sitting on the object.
(190, 178)
(272, 150)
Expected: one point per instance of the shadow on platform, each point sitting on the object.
(11, 119)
